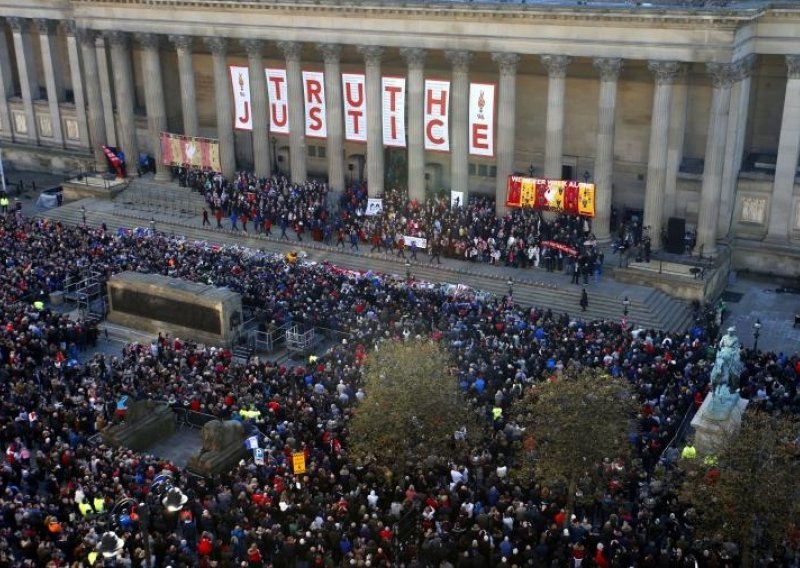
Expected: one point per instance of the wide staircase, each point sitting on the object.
(177, 210)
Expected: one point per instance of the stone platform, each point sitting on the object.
(712, 428)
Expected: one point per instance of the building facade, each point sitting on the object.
(672, 111)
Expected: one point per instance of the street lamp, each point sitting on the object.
(626, 303)
(274, 154)
(756, 334)
(110, 545)
(174, 500)
(531, 169)
(83, 214)
(510, 284)
(153, 225)
(586, 176)
(408, 271)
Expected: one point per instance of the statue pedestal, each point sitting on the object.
(716, 420)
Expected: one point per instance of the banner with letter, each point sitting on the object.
(278, 94)
(481, 119)
(561, 196)
(314, 97)
(355, 107)
(240, 83)
(393, 90)
(436, 113)
(188, 151)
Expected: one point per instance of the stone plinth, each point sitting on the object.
(155, 303)
(713, 424)
(146, 421)
(223, 447)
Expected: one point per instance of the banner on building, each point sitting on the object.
(278, 94)
(561, 196)
(393, 91)
(188, 151)
(436, 113)
(240, 83)
(355, 107)
(314, 97)
(481, 119)
(374, 206)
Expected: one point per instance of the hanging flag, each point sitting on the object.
(240, 82)
(251, 443)
(278, 94)
(394, 111)
(481, 119)
(571, 197)
(527, 192)
(514, 192)
(314, 97)
(436, 121)
(586, 199)
(355, 107)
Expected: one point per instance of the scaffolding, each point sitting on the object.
(87, 293)
(299, 341)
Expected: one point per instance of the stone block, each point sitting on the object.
(146, 422)
(713, 428)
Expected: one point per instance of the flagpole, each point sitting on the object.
(2, 172)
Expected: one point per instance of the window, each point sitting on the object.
(493, 171)
(312, 151)
(321, 152)
(483, 171)
(472, 169)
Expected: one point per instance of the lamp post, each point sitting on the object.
(408, 271)
(586, 176)
(510, 285)
(756, 334)
(274, 154)
(153, 225)
(531, 169)
(626, 303)
(83, 214)
(110, 545)
(172, 499)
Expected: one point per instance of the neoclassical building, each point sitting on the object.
(672, 110)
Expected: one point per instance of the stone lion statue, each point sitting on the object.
(218, 435)
(141, 409)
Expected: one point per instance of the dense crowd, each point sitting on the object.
(57, 485)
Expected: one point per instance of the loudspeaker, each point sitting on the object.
(676, 233)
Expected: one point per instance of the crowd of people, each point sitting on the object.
(58, 483)
(471, 231)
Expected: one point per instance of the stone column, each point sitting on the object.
(105, 91)
(331, 54)
(154, 99)
(665, 72)
(258, 102)
(459, 104)
(26, 71)
(556, 66)
(506, 123)
(76, 77)
(6, 89)
(722, 78)
(123, 85)
(293, 52)
(734, 145)
(183, 47)
(676, 134)
(372, 59)
(604, 159)
(97, 126)
(53, 78)
(223, 98)
(415, 58)
(780, 210)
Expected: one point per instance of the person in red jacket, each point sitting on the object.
(600, 556)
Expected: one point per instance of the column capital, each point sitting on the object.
(117, 38)
(253, 47)
(556, 65)
(217, 45)
(86, 36)
(18, 24)
(44, 25)
(292, 50)
(609, 67)
(459, 59)
(414, 56)
(331, 52)
(793, 66)
(372, 54)
(70, 27)
(745, 66)
(665, 71)
(148, 40)
(723, 75)
(182, 41)
(507, 62)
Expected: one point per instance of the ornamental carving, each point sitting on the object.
(746, 66)
(331, 52)
(217, 45)
(182, 41)
(372, 54)
(793, 66)
(556, 65)
(118, 39)
(292, 50)
(459, 59)
(253, 47)
(18, 24)
(148, 41)
(753, 209)
(665, 71)
(414, 56)
(609, 67)
(86, 36)
(44, 26)
(70, 27)
(722, 74)
(506, 62)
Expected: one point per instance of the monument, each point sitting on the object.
(223, 446)
(721, 412)
(145, 421)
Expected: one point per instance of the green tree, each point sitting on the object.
(412, 407)
(748, 493)
(571, 425)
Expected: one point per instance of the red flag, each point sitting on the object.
(541, 194)
(514, 196)
(571, 197)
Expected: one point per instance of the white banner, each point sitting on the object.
(314, 96)
(355, 107)
(422, 244)
(374, 206)
(481, 119)
(437, 110)
(240, 82)
(278, 94)
(394, 111)
(457, 198)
